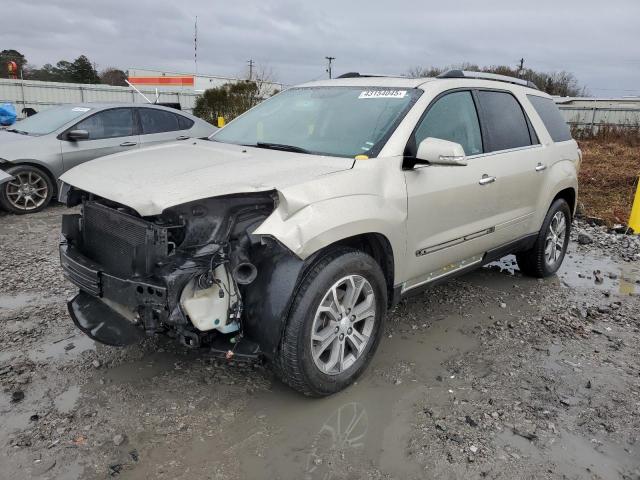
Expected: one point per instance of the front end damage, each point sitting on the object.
(196, 273)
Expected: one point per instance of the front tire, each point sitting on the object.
(546, 256)
(334, 325)
(30, 191)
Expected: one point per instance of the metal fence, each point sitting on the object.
(592, 114)
(42, 95)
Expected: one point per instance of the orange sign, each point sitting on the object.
(174, 80)
(12, 67)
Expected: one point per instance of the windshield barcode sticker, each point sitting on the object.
(383, 94)
(80, 109)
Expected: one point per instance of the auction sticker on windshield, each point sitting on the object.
(383, 94)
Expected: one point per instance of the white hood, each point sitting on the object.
(153, 179)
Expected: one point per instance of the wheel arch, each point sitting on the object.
(378, 247)
(568, 194)
(39, 166)
(268, 300)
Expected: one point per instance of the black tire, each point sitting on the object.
(534, 262)
(294, 363)
(43, 190)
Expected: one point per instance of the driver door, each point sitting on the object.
(110, 131)
(452, 210)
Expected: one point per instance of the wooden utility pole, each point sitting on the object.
(250, 62)
(330, 59)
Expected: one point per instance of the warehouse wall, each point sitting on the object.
(591, 113)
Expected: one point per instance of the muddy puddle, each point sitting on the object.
(588, 271)
(281, 434)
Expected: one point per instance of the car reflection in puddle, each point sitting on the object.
(345, 430)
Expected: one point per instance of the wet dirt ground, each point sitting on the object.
(492, 375)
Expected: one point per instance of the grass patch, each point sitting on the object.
(609, 176)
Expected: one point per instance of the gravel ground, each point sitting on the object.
(492, 375)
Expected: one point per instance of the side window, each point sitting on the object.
(184, 123)
(454, 118)
(158, 121)
(506, 124)
(117, 122)
(551, 117)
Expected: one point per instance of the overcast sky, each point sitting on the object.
(599, 41)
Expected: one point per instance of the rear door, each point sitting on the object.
(110, 131)
(160, 126)
(514, 152)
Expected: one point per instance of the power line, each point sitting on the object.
(330, 59)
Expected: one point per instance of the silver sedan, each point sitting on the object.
(38, 149)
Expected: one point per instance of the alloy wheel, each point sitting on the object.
(554, 242)
(27, 191)
(343, 324)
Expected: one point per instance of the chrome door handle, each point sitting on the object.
(183, 137)
(486, 180)
(128, 144)
(540, 167)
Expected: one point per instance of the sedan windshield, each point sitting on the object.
(49, 120)
(337, 121)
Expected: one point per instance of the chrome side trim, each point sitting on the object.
(456, 241)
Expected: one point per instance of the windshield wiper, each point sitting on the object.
(281, 146)
(15, 130)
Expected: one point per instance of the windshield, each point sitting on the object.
(338, 121)
(49, 120)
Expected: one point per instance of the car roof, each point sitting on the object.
(422, 83)
(364, 81)
(102, 105)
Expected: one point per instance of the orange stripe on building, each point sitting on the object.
(164, 80)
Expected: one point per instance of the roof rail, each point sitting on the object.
(487, 76)
(368, 75)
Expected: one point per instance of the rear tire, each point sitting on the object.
(29, 192)
(334, 325)
(546, 256)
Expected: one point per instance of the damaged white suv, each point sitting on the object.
(291, 232)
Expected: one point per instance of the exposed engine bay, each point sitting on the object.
(195, 273)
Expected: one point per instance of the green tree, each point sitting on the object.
(560, 83)
(82, 71)
(7, 56)
(228, 101)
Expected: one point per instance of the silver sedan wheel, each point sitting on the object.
(27, 191)
(554, 243)
(343, 324)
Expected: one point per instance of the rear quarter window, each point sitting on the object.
(184, 123)
(551, 117)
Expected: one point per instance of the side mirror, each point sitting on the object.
(75, 135)
(434, 151)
